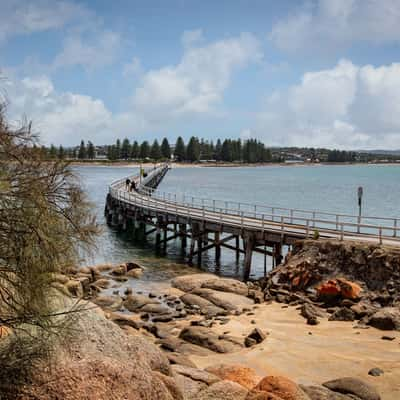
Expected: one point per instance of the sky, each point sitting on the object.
(321, 73)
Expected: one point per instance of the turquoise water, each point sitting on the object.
(328, 188)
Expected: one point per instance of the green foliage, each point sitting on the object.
(144, 150)
(125, 149)
(316, 234)
(165, 149)
(193, 150)
(90, 151)
(45, 221)
(135, 150)
(155, 152)
(180, 151)
(82, 151)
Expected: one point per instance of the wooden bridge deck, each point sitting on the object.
(256, 226)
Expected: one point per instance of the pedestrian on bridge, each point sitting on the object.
(127, 183)
(133, 186)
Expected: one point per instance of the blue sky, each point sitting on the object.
(305, 73)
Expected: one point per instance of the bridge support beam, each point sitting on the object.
(249, 242)
(217, 247)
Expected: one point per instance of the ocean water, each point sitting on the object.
(326, 188)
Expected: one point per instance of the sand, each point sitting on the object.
(333, 350)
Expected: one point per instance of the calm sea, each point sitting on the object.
(327, 188)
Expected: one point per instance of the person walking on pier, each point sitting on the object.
(133, 186)
(127, 183)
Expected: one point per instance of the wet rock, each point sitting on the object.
(342, 314)
(201, 336)
(135, 273)
(224, 390)
(240, 374)
(155, 309)
(136, 301)
(353, 386)
(387, 319)
(375, 372)
(119, 270)
(281, 387)
(102, 283)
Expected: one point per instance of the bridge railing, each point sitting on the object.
(316, 219)
(258, 215)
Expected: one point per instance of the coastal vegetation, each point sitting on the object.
(201, 150)
(45, 220)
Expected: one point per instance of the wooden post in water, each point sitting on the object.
(237, 248)
(182, 232)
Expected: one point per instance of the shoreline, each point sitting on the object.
(219, 165)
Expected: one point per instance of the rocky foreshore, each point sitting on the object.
(215, 332)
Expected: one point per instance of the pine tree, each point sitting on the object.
(180, 152)
(165, 149)
(218, 150)
(125, 149)
(155, 152)
(193, 150)
(53, 152)
(90, 151)
(118, 149)
(144, 150)
(135, 150)
(82, 151)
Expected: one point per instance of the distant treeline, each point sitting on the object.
(195, 150)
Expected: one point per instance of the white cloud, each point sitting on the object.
(21, 17)
(347, 106)
(100, 51)
(59, 117)
(196, 85)
(324, 24)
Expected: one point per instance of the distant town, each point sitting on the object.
(204, 151)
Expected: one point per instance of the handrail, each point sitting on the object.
(156, 199)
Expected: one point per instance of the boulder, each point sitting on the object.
(223, 390)
(134, 302)
(342, 314)
(228, 301)
(108, 302)
(75, 288)
(353, 386)
(205, 306)
(201, 336)
(260, 395)
(119, 270)
(348, 289)
(329, 288)
(257, 334)
(189, 387)
(308, 311)
(323, 393)
(375, 372)
(195, 374)
(226, 285)
(363, 309)
(177, 358)
(387, 319)
(102, 283)
(125, 320)
(170, 384)
(187, 283)
(282, 387)
(155, 309)
(135, 273)
(240, 374)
